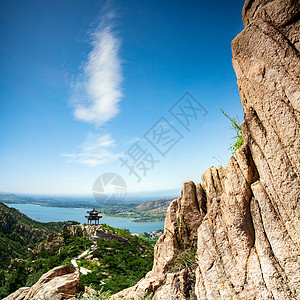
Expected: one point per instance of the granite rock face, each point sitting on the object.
(243, 221)
(58, 284)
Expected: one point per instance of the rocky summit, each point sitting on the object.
(236, 236)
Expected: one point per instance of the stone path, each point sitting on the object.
(82, 270)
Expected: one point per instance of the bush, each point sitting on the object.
(94, 295)
(18, 279)
(237, 127)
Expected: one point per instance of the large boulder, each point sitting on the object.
(57, 284)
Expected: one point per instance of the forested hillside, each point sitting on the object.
(19, 233)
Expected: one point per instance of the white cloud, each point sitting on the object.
(97, 93)
(98, 90)
(134, 140)
(96, 150)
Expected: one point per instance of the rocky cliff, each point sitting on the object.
(236, 235)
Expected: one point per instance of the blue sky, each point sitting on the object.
(81, 82)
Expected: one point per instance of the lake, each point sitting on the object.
(56, 214)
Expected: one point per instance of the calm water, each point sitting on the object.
(55, 214)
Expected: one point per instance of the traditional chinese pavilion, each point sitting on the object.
(94, 215)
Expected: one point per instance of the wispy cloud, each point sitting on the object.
(97, 93)
(98, 90)
(134, 140)
(96, 150)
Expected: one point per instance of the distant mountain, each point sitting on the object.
(154, 207)
(19, 234)
(83, 201)
(150, 211)
(46, 201)
(153, 210)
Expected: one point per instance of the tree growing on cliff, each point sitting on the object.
(237, 127)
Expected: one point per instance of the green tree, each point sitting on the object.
(237, 127)
(2, 278)
(18, 278)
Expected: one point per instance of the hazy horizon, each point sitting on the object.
(146, 195)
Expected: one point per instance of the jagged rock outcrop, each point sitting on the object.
(72, 229)
(243, 221)
(57, 284)
(98, 231)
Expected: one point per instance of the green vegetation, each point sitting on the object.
(115, 265)
(94, 295)
(26, 253)
(150, 211)
(151, 237)
(146, 296)
(25, 272)
(186, 244)
(104, 295)
(18, 233)
(237, 127)
(185, 258)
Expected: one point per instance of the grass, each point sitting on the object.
(146, 296)
(184, 260)
(94, 295)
